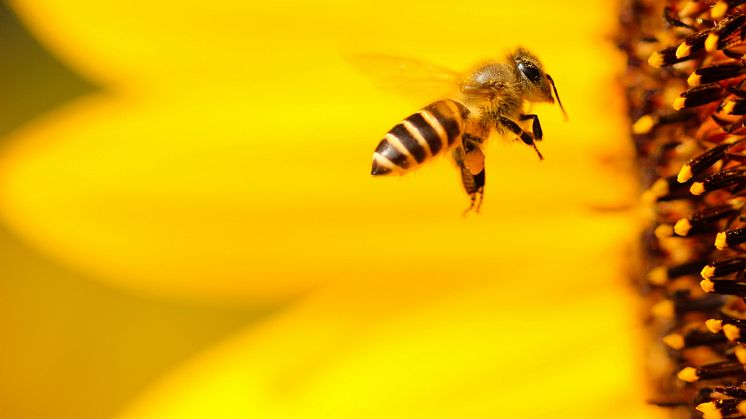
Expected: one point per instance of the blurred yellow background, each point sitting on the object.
(189, 227)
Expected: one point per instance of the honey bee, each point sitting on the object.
(491, 97)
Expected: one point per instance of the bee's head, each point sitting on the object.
(533, 79)
(536, 84)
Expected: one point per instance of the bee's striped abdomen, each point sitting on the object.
(419, 137)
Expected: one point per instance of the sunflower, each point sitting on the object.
(218, 177)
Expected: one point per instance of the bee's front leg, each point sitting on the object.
(513, 127)
(535, 127)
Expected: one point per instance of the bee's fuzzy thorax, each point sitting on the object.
(686, 90)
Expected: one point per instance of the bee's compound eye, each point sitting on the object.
(532, 73)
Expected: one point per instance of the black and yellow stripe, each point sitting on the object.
(419, 137)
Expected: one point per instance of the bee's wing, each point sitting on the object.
(412, 78)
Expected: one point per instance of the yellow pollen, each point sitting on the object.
(740, 353)
(709, 411)
(663, 231)
(659, 188)
(708, 272)
(694, 80)
(697, 188)
(674, 341)
(720, 242)
(731, 332)
(656, 60)
(664, 310)
(679, 103)
(658, 276)
(718, 10)
(684, 174)
(706, 407)
(689, 8)
(683, 50)
(688, 374)
(714, 325)
(643, 125)
(682, 227)
(711, 43)
(707, 285)
(729, 106)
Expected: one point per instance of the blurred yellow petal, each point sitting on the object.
(163, 43)
(531, 346)
(166, 214)
(228, 160)
(211, 193)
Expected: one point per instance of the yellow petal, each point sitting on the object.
(261, 189)
(494, 350)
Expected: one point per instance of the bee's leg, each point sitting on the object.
(536, 127)
(474, 185)
(470, 142)
(473, 182)
(473, 158)
(523, 135)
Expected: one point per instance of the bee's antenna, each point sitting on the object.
(557, 96)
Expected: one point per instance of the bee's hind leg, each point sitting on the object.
(472, 157)
(474, 185)
(523, 135)
(473, 182)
